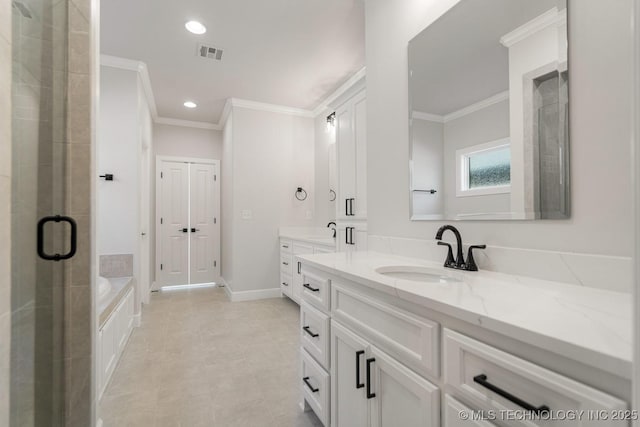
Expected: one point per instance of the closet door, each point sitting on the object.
(203, 230)
(173, 245)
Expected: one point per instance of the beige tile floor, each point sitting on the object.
(200, 360)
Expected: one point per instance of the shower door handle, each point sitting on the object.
(73, 242)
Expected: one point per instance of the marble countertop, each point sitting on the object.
(589, 325)
(316, 239)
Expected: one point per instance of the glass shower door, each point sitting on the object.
(39, 81)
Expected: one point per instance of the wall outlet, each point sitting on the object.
(246, 214)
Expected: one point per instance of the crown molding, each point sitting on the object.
(226, 111)
(143, 72)
(324, 105)
(420, 115)
(552, 17)
(272, 108)
(502, 96)
(138, 67)
(187, 123)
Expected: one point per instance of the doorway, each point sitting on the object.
(187, 221)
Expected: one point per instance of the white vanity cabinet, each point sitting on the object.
(371, 388)
(290, 270)
(393, 363)
(112, 338)
(351, 143)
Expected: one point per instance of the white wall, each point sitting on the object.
(226, 217)
(118, 145)
(182, 141)
(272, 154)
(325, 210)
(179, 141)
(600, 102)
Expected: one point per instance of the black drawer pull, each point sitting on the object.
(306, 329)
(306, 285)
(358, 383)
(286, 284)
(285, 263)
(369, 394)
(308, 384)
(482, 380)
(73, 246)
(299, 267)
(285, 246)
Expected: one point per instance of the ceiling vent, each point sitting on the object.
(210, 52)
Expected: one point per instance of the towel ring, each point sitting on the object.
(301, 194)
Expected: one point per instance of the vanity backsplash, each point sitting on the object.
(596, 271)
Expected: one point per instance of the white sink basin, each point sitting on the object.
(416, 274)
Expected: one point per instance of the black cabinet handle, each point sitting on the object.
(369, 394)
(185, 230)
(351, 235)
(483, 381)
(193, 230)
(286, 284)
(307, 330)
(358, 383)
(346, 207)
(299, 267)
(306, 285)
(285, 246)
(308, 384)
(285, 263)
(73, 238)
(351, 207)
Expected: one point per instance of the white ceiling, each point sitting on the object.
(458, 60)
(285, 52)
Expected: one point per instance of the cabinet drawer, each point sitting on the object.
(315, 333)
(412, 339)
(316, 290)
(286, 263)
(286, 283)
(495, 380)
(285, 246)
(315, 387)
(457, 414)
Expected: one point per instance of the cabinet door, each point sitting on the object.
(402, 397)
(108, 348)
(359, 108)
(349, 405)
(346, 156)
(457, 414)
(352, 237)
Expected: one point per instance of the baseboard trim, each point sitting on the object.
(250, 295)
(137, 320)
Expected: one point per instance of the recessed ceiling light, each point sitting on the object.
(195, 27)
(190, 104)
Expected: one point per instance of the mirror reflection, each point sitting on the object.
(489, 123)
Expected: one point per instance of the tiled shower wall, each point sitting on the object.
(78, 318)
(5, 206)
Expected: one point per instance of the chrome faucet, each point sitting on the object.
(332, 228)
(459, 263)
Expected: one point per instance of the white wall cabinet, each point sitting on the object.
(352, 236)
(112, 339)
(351, 142)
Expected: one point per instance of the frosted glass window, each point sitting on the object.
(490, 168)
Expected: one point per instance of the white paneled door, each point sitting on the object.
(188, 233)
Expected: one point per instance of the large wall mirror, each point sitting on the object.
(488, 105)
